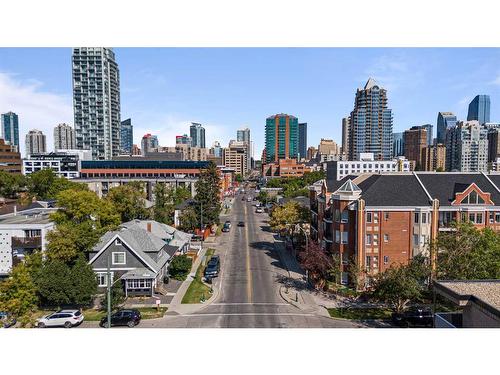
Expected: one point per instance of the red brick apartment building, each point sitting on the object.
(376, 220)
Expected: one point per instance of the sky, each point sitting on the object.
(225, 89)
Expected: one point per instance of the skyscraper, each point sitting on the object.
(429, 128)
(370, 128)
(9, 130)
(398, 143)
(183, 140)
(126, 136)
(64, 137)
(415, 140)
(445, 120)
(303, 140)
(467, 147)
(217, 149)
(96, 101)
(479, 109)
(149, 143)
(35, 142)
(243, 135)
(282, 137)
(197, 133)
(345, 134)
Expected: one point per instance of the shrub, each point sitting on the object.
(180, 267)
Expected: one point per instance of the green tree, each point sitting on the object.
(83, 283)
(238, 178)
(129, 201)
(467, 253)
(45, 184)
(189, 219)
(18, 294)
(11, 184)
(117, 297)
(284, 217)
(207, 199)
(180, 267)
(166, 199)
(54, 283)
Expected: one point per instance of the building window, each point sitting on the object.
(375, 262)
(368, 262)
(424, 218)
(497, 217)
(375, 217)
(118, 257)
(415, 240)
(344, 258)
(375, 240)
(479, 218)
(344, 238)
(337, 215)
(102, 278)
(368, 217)
(344, 278)
(386, 215)
(337, 236)
(386, 237)
(386, 259)
(368, 239)
(417, 215)
(345, 216)
(473, 198)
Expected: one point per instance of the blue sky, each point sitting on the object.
(163, 89)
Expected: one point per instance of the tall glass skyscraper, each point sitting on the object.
(197, 133)
(282, 137)
(370, 128)
(9, 130)
(303, 140)
(126, 136)
(398, 144)
(96, 101)
(445, 120)
(479, 109)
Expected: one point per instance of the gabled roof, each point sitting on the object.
(444, 186)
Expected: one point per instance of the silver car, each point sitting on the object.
(62, 318)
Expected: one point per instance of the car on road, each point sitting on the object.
(415, 316)
(61, 318)
(249, 199)
(241, 223)
(213, 267)
(124, 317)
(6, 321)
(259, 210)
(243, 199)
(225, 228)
(228, 223)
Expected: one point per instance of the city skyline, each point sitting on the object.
(175, 87)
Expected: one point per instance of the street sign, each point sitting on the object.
(158, 302)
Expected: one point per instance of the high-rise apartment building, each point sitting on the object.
(370, 128)
(35, 142)
(9, 129)
(415, 139)
(493, 143)
(183, 140)
(126, 136)
(467, 147)
(311, 153)
(445, 121)
(243, 135)
(282, 137)
(236, 156)
(96, 101)
(434, 157)
(398, 144)
(197, 133)
(328, 150)
(64, 137)
(345, 134)
(479, 109)
(302, 140)
(216, 150)
(149, 143)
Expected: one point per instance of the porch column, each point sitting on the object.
(126, 288)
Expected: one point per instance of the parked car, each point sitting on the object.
(213, 267)
(61, 318)
(241, 223)
(6, 320)
(225, 228)
(124, 317)
(228, 223)
(259, 210)
(249, 199)
(415, 316)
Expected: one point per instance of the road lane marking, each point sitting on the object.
(247, 314)
(249, 304)
(249, 273)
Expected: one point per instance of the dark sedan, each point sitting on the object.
(415, 316)
(125, 317)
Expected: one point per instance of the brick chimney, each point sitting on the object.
(148, 226)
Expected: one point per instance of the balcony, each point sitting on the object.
(26, 242)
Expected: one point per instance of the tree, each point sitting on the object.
(207, 200)
(238, 178)
(286, 216)
(117, 297)
(401, 284)
(189, 219)
(83, 283)
(45, 184)
(316, 261)
(129, 201)
(180, 267)
(54, 283)
(165, 201)
(467, 253)
(18, 294)
(11, 184)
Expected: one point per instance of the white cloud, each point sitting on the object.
(496, 81)
(37, 108)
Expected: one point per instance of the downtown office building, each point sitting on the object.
(9, 129)
(197, 133)
(96, 101)
(370, 128)
(282, 137)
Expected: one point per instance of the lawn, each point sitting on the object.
(360, 313)
(146, 313)
(197, 289)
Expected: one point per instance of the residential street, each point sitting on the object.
(248, 284)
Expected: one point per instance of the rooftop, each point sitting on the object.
(31, 216)
(460, 292)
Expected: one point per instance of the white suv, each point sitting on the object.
(62, 318)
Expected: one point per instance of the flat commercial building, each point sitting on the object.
(65, 163)
(378, 220)
(282, 137)
(284, 168)
(96, 101)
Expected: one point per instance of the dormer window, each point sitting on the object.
(473, 198)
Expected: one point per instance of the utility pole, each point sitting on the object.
(109, 295)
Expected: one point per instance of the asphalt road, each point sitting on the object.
(248, 283)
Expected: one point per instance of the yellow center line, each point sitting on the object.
(249, 273)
